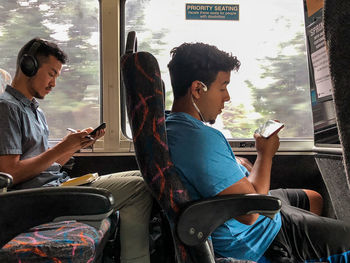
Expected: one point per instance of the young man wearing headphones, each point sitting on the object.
(199, 76)
(25, 154)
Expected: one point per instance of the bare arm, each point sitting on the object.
(245, 162)
(23, 170)
(259, 179)
(243, 186)
(260, 175)
(64, 159)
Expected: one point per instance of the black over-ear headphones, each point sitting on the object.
(28, 63)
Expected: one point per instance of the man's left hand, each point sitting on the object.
(245, 162)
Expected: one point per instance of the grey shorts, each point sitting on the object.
(292, 197)
(306, 237)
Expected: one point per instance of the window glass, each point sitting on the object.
(74, 26)
(268, 39)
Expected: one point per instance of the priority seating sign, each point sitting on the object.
(212, 12)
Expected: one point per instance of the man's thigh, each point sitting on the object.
(124, 186)
(293, 197)
(313, 237)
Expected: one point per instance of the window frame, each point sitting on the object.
(113, 105)
(114, 141)
(287, 145)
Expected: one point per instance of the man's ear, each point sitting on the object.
(195, 89)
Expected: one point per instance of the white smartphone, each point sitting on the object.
(269, 128)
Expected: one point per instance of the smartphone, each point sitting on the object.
(269, 128)
(99, 127)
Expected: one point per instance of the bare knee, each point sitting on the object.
(315, 200)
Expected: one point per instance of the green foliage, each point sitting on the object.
(239, 121)
(72, 25)
(149, 39)
(168, 100)
(284, 97)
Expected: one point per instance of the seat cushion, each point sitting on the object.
(66, 241)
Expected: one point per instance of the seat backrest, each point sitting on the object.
(337, 33)
(145, 107)
(5, 79)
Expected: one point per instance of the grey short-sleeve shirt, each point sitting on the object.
(24, 131)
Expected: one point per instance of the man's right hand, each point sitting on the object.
(23, 170)
(267, 147)
(73, 142)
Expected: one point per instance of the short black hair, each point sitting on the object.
(46, 49)
(197, 61)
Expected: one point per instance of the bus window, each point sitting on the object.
(74, 26)
(268, 37)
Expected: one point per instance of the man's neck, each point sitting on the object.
(184, 104)
(21, 85)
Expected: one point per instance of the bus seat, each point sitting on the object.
(5, 79)
(6, 181)
(58, 224)
(69, 224)
(191, 222)
(333, 157)
(337, 34)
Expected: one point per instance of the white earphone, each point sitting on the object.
(205, 88)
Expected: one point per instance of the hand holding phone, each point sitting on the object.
(269, 128)
(100, 127)
(75, 131)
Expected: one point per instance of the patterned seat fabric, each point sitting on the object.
(145, 107)
(66, 241)
(146, 116)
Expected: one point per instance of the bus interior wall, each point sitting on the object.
(288, 171)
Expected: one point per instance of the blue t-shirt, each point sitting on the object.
(208, 166)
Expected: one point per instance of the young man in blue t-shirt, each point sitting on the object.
(199, 75)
